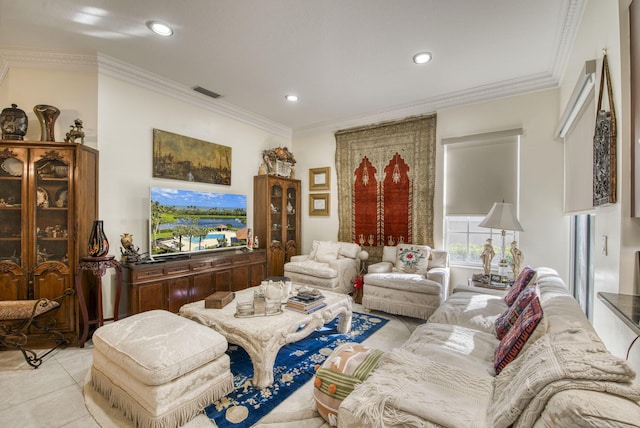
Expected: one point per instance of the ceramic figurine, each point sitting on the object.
(75, 132)
(517, 259)
(487, 255)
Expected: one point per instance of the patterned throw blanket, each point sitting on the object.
(449, 389)
(571, 359)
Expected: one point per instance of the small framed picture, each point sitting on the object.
(320, 178)
(319, 204)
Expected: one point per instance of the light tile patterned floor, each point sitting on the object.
(51, 396)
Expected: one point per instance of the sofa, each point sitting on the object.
(451, 372)
(330, 265)
(411, 280)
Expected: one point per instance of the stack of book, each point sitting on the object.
(306, 303)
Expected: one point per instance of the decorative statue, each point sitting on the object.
(130, 253)
(76, 132)
(517, 259)
(486, 256)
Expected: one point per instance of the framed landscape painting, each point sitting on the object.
(183, 158)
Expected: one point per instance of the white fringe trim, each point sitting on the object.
(403, 309)
(142, 418)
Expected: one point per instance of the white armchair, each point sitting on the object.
(411, 280)
(330, 265)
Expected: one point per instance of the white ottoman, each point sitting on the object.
(160, 369)
(405, 294)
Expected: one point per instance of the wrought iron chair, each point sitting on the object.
(17, 316)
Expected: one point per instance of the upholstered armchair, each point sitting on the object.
(411, 280)
(330, 265)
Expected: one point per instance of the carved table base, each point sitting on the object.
(262, 337)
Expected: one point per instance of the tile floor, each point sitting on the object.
(51, 396)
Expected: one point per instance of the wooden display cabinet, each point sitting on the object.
(48, 202)
(276, 219)
(170, 284)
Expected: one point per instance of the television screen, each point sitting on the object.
(188, 221)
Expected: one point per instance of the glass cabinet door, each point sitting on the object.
(292, 203)
(277, 216)
(13, 209)
(51, 197)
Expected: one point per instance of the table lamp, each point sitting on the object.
(502, 216)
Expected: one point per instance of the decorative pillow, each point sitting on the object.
(349, 250)
(327, 251)
(412, 258)
(438, 259)
(389, 254)
(505, 321)
(514, 341)
(314, 250)
(348, 365)
(527, 276)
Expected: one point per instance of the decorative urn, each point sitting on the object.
(14, 123)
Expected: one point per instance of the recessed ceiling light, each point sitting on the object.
(422, 57)
(291, 98)
(160, 28)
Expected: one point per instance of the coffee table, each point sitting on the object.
(263, 336)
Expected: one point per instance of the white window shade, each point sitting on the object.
(480, 170)
(578, 160)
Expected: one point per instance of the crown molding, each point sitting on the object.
(108, 66)
(566, 34)
(506, 88)
(115, 68)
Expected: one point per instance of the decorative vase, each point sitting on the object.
(47, 116)
(98, 243)
(13, 122)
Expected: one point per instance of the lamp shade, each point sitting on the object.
(502, 216)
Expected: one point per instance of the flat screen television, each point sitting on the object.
(183, 222)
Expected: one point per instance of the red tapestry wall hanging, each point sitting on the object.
(386, 180)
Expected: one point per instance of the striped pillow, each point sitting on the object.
(514, 341)
(525, 277)
(505, 321)
(348, 365)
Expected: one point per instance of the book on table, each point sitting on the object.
(309, 310)
(305, 302)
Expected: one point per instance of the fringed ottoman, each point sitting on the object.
(160, 369)
(348, 365)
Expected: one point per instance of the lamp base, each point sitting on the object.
(503, 271)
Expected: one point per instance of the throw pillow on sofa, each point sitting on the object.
(327, 251)
(412, 258)
(438, 259)
(526, 277)
(347, 366)
(515, 340)
(509, 317)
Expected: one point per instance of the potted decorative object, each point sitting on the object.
(279, 161)
(358, 284)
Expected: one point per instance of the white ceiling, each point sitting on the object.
(344, 58)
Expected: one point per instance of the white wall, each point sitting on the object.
(545, 240)
(74, 93)
(604, 25)
(119, 118)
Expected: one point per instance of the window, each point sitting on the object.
(465, 240)
(480, 170)
(582, 239)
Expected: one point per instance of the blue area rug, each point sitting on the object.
(294, 366)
